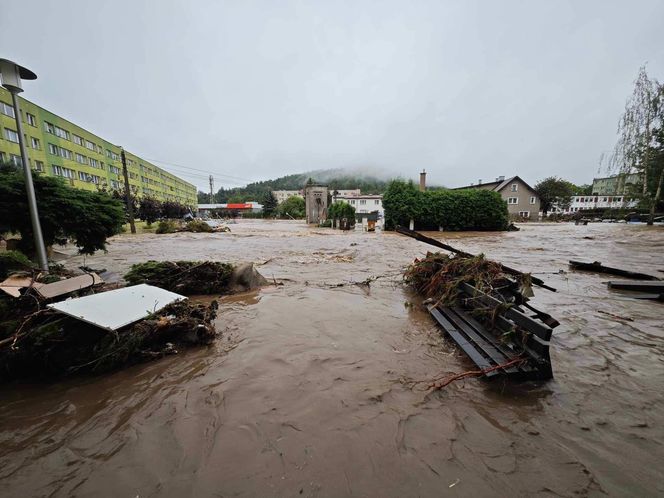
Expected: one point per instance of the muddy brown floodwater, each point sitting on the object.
(303, 394)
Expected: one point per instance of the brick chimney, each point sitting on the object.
(423, 181)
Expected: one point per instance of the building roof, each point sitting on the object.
(359, 196)
(497, 186)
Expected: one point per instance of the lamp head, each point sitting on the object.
(11, 75)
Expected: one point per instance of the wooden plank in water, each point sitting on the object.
(462, 341)
(642, 285)
(598, 267)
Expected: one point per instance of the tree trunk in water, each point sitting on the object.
(651, 218)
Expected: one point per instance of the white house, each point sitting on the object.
(363, 203)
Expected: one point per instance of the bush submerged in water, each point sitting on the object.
(198, 226)
(183, 277)
(167, 226)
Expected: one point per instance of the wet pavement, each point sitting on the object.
(304, 394)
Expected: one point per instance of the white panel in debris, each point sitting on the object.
(117, 308)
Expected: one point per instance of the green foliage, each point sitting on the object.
(198, 226)
(293, 207)
(173, 210)
(167, 226)
(555, 190)
(150, 209)
(85, 218)
(269, 204)
(340, 210)
(184, 277)
(471, 209)
(11, 261)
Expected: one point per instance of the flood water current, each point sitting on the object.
(304, 393)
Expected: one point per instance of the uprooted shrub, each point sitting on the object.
(48, 344)
(198, 226)
(183, 277)
(167, 226)
(439, 276)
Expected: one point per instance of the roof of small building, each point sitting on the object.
(497, 186)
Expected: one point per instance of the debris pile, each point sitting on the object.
(196, 277)
(196, 226)
(184, 277)
(47, 344)
(439, 276)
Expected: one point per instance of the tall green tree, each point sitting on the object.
(293, 207)
(554, 190)
(637, 129)
(66, 214)
(269, 204)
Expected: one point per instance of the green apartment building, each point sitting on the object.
(57, 147)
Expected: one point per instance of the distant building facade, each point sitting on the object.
(616, 184)
(588, 202)
(282, 195)
(58, 147)
(522, 201)
(364, 203)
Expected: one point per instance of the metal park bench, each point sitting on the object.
(490, 345)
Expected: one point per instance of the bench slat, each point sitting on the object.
(462, 341)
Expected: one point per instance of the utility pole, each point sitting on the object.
(211, 190)
(11, 75)
(130, 204)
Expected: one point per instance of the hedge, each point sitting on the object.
(470, 209)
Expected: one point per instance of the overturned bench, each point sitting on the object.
(491, 345)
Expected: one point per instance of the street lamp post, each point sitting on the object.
(11, 75)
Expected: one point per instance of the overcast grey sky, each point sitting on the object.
(251, 90)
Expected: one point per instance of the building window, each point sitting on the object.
(114, 169)
(533, 200)
(90, 145)
(115, 185)
(64, 172)
(512, 200)
(377, 201)
(59, 132)
(39, 166)
(49, 127)
(7, 110)
(81, 159)
(77, 140)
(15, 160)
(11, 135)
(35, 143)
(514, 187)
(32, 121)
(524, 214)
(363, 201)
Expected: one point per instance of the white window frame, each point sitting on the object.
(31, 119)
(515, 187)
(39, 166)
(533, 200)
(77, 140)
(10, 134)
(524, 214)
(35, 141)
(7, 110)
(512, 200)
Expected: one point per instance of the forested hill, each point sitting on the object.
(334, 179)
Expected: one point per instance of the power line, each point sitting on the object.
(207, 172)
